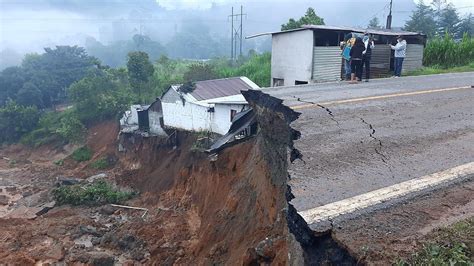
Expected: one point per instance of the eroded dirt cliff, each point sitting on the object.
(226, 208)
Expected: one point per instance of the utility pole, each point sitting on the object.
(241, 14)
(389, 17)
(236, 33)
(232, 35)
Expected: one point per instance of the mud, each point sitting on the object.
(232, 209)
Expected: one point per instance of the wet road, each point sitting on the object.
(421, 126)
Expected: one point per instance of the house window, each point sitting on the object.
(299, 82)
(232, 114)
(278, 82)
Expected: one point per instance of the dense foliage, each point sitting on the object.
(446, 52)
(257, 68)
(309, 18)
(41, 80)
(140, 70)
(438, 19)
(17, 120)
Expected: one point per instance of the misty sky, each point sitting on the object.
(30, 25)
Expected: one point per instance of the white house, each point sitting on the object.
(143, 119)
(209, 107)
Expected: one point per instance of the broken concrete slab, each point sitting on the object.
(93, 178)
(24, 212)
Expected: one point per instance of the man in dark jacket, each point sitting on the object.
(367, 55)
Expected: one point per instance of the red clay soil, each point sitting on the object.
(202, 210)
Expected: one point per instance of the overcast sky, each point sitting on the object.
(30, 25)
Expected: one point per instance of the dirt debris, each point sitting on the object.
(229, 210)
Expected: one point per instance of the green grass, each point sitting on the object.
(101, 163)
(440, 70)
(452, 245)
(82, 154)
(97, 193)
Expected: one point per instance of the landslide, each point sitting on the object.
(229, 208)
(226, 208)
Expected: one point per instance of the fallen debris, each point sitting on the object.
(130, 207)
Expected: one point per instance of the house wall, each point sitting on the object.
(133, 118)
(155, 125)
(187, 116)
(292, 56)
(414, 57)
(222, 122)
(327, 63)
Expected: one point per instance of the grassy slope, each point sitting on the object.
(438, 70)
(451, 245)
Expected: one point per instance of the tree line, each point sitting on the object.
(56, 95)
(439, 18)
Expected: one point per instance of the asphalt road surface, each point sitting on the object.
(363, 137)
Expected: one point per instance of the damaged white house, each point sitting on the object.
(210, 106)
(144, 119)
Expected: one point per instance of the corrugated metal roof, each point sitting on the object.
(371, 31)
(210, 89)
(344, 28)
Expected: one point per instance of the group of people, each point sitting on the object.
(357, 53)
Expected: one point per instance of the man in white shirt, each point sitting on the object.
(400, 53)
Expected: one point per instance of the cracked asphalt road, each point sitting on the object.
(355, 147)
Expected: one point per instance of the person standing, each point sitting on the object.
(367, 55)
(400, 53)
(346, 46)
(356, 60)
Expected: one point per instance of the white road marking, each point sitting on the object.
(346, 206)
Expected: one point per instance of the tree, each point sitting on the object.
(467, 26)
(140, 70)
(99, 96)
(449, 21)
(374, 23)
(198, 72)
(30, 95)
(438, 6)
(11, 81)
(310, 18)
(422, 20)
(17, 120)
(56, 69)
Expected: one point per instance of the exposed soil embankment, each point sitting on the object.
(226, 208)
(234, 207)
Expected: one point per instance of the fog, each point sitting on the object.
(30, 25)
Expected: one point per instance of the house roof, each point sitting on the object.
(216, 88)
(233, 99)
(386, 32)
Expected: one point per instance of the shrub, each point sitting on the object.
(70, 128)
(101, 163)
(97, 193)
(257, 68)
(17, 120)
(82, 154)
(446, 52)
